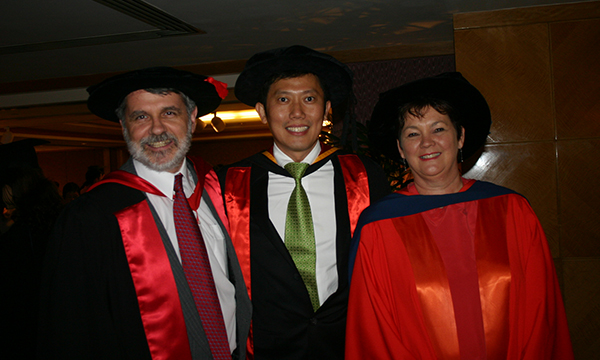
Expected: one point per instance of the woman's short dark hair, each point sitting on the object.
(417, 108)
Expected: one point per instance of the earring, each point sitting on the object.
(404, 162)
(460, 156)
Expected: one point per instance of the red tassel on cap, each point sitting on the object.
(220, 86)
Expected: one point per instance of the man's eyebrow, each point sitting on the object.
(136, 113)
(166, 108)
(285, 91)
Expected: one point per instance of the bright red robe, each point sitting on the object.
(401, 304)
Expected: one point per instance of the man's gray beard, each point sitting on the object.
(137, 151)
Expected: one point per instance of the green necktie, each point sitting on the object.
(299, 233)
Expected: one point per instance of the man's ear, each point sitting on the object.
(194, 119)
(262, 112)
(327, 108)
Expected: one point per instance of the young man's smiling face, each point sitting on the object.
(158, 129)
(295, 109)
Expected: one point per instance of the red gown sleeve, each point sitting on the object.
(539, 329)
(379, 304)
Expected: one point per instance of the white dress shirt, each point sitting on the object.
(209, 227)
(320, 192)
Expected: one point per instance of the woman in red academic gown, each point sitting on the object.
(449, 268)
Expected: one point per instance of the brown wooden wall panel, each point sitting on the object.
(511, 67)
(576, 69)
(581, 293)
(69, 166)
(228, 151)
(528, 15)
(539, 68)
(579, 197)
(529, 170)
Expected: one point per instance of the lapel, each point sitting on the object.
(199, 347)
(243, 304)
(259, 202)
(128, 166)
(259, 182)
(342, 219)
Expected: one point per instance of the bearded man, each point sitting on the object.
(142, 266)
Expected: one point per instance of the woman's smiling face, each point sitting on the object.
(430, 146)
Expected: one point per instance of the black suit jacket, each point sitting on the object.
(284, 323)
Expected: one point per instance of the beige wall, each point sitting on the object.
(539, 69)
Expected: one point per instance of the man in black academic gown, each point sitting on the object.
(299, 311)
(117, 283)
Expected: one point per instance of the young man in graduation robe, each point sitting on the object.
(119, 282)
(297, 313)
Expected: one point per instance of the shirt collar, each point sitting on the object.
(283, 159)
(164, 180)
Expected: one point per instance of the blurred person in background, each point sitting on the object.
(70, 192)
(31, 206)
(93, 174)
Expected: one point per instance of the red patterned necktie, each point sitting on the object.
(198, 273)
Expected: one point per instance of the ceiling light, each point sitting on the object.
(234, 116)
(200, 125)
(217, 123)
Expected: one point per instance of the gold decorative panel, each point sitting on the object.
(576, 69)
(579, 197)
(530, 170)
(511, 67)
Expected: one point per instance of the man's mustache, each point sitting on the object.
(157, 138)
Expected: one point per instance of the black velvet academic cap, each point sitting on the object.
(472, 110)
(261, 67)
(106, 96)
(19, 154)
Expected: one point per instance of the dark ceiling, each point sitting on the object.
(49, 49)
(63, 38)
